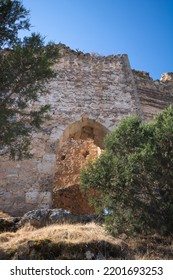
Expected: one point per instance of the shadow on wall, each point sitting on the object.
(82, 141)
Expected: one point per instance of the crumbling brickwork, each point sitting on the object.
(73, 156)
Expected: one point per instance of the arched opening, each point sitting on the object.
(81, 141)
(84, 129)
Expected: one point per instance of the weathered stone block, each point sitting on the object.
(46, 167)
(12, 172)
(32, 197)
(45, 198)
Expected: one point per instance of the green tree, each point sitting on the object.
(13, 18)
(26, 67)
(134, 176)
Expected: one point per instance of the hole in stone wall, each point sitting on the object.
(63, 157)
(80, 143)
(86, 153)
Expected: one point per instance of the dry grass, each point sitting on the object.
(67, 240)
(72, 241)
(4, 215)
(152, 247)
(66, 233)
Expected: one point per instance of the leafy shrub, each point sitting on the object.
(134, 176)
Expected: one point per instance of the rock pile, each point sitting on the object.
(44, 217)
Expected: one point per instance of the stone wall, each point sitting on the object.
(89, 97)
(154, 95)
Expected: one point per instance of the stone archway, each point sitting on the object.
(83, 129)
(81, 141)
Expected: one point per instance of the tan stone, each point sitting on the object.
(88, 98)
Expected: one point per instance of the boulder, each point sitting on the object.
(43, 217)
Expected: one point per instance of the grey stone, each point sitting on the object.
(44, 217)
(32, 197)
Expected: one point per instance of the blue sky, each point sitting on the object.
(141, 29)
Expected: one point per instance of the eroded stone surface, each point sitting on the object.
(73, 156)
(88, 98)
(154, 95)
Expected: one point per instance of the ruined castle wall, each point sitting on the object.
(87, 87)
(88, 98)
(154, 95)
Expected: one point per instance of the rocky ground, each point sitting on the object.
(58, 234)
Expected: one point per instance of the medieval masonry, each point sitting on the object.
(89, 97)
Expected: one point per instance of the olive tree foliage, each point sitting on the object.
(26, 67)
(134, 176)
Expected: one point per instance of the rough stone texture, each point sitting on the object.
(44, 217)
(73, 156)
(89, 97)
(154, 95)
(72, 199)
